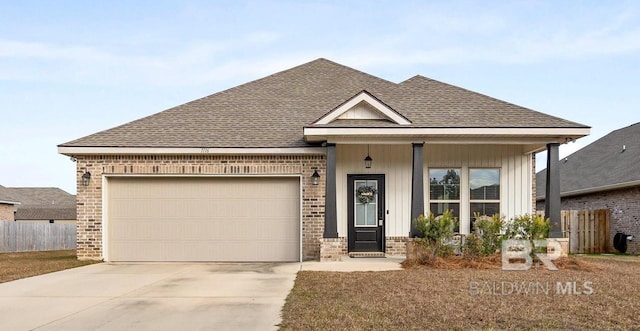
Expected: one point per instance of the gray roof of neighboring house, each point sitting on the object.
(599, 166)
(41, 203)
(272, 111)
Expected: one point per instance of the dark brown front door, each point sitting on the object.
(366, 213)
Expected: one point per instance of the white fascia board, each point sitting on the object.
(364, 96)
(7, 202)
(70, 151)
(441, 141)
(326, 133)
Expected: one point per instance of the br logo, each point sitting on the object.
(514, 249)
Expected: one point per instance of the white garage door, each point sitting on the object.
(203, 219)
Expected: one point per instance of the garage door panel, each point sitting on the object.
(203, 219)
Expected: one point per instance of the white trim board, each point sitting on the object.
(364, 96)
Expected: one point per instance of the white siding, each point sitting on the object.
(393, 161)
(515, 173)
(362, 110)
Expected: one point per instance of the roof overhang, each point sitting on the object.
(7, 202)
(535, 139)
(78, 150)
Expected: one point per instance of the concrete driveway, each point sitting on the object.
(149, 297)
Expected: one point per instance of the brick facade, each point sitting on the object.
(6, 212)
(332, 249)
(625, 211)
(89, 198)
(396, 245)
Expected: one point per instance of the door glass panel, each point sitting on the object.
(366, 202)
(360, 214)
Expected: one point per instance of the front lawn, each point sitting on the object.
(606, 297)
(27, 264)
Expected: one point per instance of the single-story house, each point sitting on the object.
(40, 204)
(314, 162)
(7, 209)
(604, 175)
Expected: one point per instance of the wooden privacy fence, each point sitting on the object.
(587, 230)
(32, 236)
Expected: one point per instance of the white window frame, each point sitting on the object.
(460, 188)
(471, 201)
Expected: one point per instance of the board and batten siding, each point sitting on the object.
(515, 174)
(394, 161)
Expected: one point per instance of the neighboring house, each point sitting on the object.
(604, 175)
(41, 204)
(317, 161)
(7, 209)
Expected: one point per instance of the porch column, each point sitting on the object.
(417, 188)
(552, 194)
(330, 210)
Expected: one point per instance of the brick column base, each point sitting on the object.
(396, 246)
(332, 249)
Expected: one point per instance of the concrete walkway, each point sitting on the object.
(162, 296)
(356, 264)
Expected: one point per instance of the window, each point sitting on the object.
(484, 192)
(366, 211)
(444, 191)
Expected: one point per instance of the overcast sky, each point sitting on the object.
(72, 68)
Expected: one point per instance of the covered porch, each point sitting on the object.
(413, 178)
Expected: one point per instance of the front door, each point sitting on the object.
(366, 213)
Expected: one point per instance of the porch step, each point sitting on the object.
(366, 254)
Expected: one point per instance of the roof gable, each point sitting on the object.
(363, 106)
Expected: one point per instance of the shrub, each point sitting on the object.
(436, 233)
(490, 232)
(472, 247)
(529, 228)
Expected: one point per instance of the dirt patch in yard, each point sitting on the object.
(603, 296)
(27, 264)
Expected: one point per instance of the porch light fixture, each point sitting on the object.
(315, 178)
(368, 160)
(86, 177)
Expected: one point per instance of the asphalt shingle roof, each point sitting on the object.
(41, 203)
(601, 163)
(272, 111)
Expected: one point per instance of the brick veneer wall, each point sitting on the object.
(332, 249)
(6, 212)
(89, 198)
(625, 211)
(396, 245)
